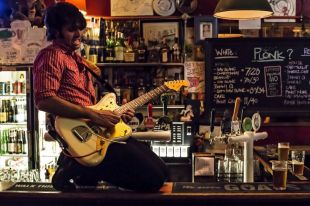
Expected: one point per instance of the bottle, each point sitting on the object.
(10, 111)
(176, 51)
(119, 48)
(117, 89)
(24, 142)
(93, 56)
(2, 112)
(141, 88)
(164, 52)
(11, 145)
(102, 42)
(19, 142)
(14, 110)
(110, 52)
(141, 51)
(129, 55)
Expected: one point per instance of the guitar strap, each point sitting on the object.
(96, 72)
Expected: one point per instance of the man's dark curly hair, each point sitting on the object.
(63, 14)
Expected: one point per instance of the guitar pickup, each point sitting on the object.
(81, 133)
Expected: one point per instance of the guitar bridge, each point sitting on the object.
(82, 133)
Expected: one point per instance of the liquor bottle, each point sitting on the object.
(164, 52)
(129, 55)
(102, 42)
(119, 48)
(141, 88)
(110, 52)
(93, 56)
(141, 51)
(117, 89)
(176, 51)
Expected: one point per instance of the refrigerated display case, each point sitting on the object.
(47, 150)
(15, 118)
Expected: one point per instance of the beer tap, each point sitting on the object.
(247, 138)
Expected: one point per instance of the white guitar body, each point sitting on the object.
(88, 143)
(79, 148)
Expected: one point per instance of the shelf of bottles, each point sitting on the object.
(13, 119)
(120, 41)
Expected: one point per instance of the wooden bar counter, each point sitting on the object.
(182, 193)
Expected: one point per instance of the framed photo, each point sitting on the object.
(154, 32)
(205, 27)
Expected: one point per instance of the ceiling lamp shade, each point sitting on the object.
(243, 9)
(80, 4)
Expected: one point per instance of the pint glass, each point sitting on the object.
(279, 170)
(298, 160)
(283, 150)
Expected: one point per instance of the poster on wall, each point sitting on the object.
(282, 8)
(194, 72)
(131, 7)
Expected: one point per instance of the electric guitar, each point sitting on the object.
(88, 143)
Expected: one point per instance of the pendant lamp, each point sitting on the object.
(243, 9)
(80, 4)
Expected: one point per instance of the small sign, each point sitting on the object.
(257, 187)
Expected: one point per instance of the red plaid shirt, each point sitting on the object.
(59, 71)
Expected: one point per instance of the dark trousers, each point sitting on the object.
(132, 166)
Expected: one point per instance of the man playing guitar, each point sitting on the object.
(63, 87)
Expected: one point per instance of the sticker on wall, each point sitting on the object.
(131, 7)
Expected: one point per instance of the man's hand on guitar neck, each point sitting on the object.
(128, 115)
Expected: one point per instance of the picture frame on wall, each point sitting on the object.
(205, 27)
(154, 32)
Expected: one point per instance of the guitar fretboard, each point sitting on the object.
(134, 104)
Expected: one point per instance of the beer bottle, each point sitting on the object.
(19, 143)
(11, 146)
(10, 111)
(2, 112)
(24, 142)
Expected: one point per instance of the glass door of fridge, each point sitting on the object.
(14, 126)
(49, 150)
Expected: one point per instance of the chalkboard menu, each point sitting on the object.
(270, 75)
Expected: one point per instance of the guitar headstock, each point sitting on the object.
(177, 84)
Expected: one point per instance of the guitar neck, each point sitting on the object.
(134, 104)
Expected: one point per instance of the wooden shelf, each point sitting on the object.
(155, 64)
(140, 17)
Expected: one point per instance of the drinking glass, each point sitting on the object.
(279, 171)
(298, 160)
(283, 150)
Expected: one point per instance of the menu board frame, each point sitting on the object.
(254, 51)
